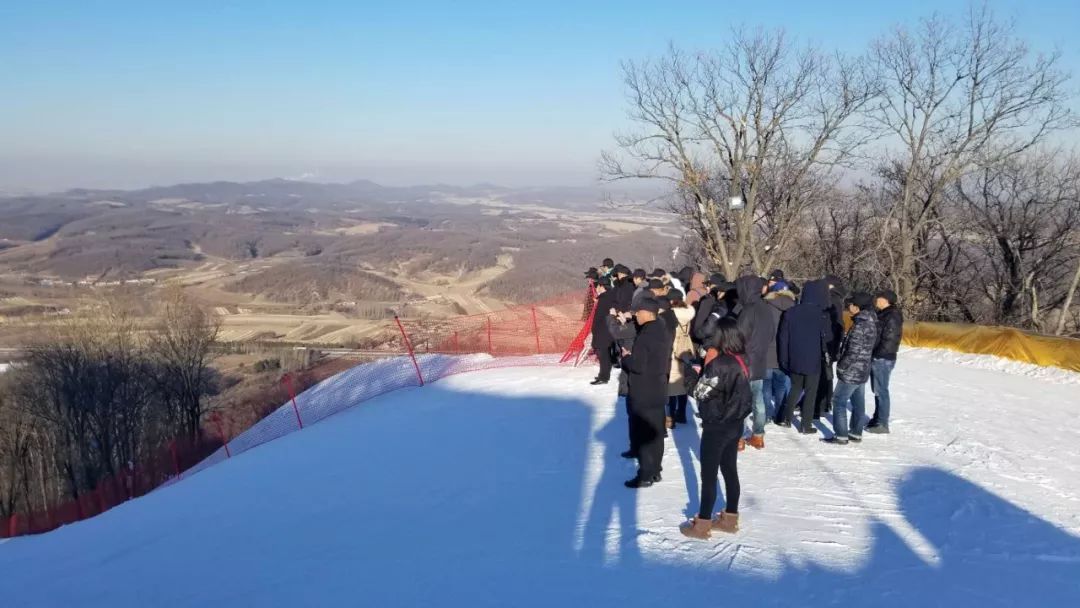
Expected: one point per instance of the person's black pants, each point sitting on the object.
(799, 384)
(823, 402)
(647, 424)
(603, 354)
(676, 405)
(719, 454)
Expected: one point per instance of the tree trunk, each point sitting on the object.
(1068, 301)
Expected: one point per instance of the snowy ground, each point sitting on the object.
(504, 488)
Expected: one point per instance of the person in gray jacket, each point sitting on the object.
(853, 369)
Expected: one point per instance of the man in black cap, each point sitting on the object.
(593, 276)
(641, 287)
(624, 288)
(606, 267)
(891, 324)
(775, 276)
(602, 340)
(648, 366)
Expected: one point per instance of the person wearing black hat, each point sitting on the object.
(647, 366)
(606, 267)
(593, 276)
(775, 276)
(853, 369)
(641, 287)
(602, 339)
(624, 288)
(891, 322)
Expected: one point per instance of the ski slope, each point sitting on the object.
(504, 488)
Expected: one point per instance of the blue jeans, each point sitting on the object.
(757, 386)
(776, 389)
(842, 395)
(880, 371)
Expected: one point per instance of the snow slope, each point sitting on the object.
(504, 488)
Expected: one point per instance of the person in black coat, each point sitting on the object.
(624, 288)
(837, 293)
(648, 366)
(800, 349)
(891, 325)
(602, 340)
(756, 322)
(724, 400)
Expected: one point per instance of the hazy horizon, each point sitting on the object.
(133, 94)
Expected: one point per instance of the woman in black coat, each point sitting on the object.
(724, 400)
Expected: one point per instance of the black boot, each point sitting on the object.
(638, 482)
(598, 381)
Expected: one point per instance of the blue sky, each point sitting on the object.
(127, 93)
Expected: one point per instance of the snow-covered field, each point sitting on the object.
(504, 488)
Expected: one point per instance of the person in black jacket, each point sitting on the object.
(724, 400)
(624, 288)
(758, 326)
(800, 348)
(837, 293)
(853, 369)
(891, 323)
(648, 366)
(602, 339)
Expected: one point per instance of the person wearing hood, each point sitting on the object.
(853, 369)
(777, 384)
(800, 345)
(708, 306)
(891, 323)
(758, 325)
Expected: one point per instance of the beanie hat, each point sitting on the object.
(861, 299)
(777, 275)
(639, 273)
(889, 296)
(656, 284)
(608, 263)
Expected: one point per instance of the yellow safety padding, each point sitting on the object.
(1004, 342)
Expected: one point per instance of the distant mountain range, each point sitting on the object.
(277, 193)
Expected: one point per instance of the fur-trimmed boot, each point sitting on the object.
(698, 528)
(726, 522)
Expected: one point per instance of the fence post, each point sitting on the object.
(292, 395)
(13, 523)
(224, 440)
(536, 329)
(491, 348)
(457, 344)
(408, 345)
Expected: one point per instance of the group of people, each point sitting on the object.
(756, 349)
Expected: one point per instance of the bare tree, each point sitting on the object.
(955, 95)
(1025, 208)
(181, 343)
(758, 119)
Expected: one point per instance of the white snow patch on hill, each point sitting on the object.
(504, 488)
